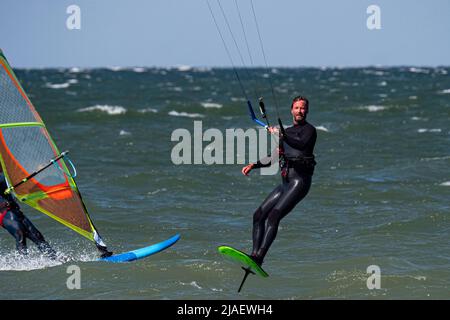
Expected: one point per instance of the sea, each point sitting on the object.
(375, 224)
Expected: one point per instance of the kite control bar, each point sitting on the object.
(253, 116)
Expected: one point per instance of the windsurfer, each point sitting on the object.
(18, 225)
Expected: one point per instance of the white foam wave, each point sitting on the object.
(435, 158)
(185, 114)
(184, 68)
(211, 105)
(115, 68)
(75, 70)
(445, 184)
(192, 283)
(111, 110)
(322, 128)
(418, 70)
(16, 262)
(373, 108)
(147, 110)
(124, 133)
(57, 85)
(138, 69)
(422, 130)
(445, 91)
(35, 260)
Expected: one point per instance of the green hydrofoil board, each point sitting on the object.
(242, 258)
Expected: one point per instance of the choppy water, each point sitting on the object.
(380, 193)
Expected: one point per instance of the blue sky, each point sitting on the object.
(181, 32)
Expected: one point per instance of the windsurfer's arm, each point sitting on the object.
(12, 202)
(262, 163)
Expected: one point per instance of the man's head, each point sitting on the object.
(299, 109)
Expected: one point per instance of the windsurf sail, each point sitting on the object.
(26, 147)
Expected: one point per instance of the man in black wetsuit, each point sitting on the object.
(15, 222)
(297, 163)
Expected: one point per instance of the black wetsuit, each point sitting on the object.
(15, 222)
(297, 167)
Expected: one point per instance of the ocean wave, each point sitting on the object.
(147, 110)
(373, 72)
(185, 114)
(35, 260)
(138, 69)
(16, 262)
(373, 108)
(445, 184)
(435, 158)
(111, 110)
(75, 70)
(445, 91)
(124, 133)
(418, 70)
(115, 68)
(322, 128)
(192, 283)
(422, 130)
(211, 105)
(184, 68)
(57, 85)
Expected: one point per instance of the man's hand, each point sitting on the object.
(273, 130)
(246, 170)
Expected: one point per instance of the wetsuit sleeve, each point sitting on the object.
(265, 162)
(262, 163)
(12, 201)
(300, 142)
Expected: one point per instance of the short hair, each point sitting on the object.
(300, 98)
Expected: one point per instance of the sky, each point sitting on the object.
(165, 33)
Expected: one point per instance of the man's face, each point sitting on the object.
(299, 110)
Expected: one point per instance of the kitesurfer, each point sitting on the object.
(296, 160)
(18, 225)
